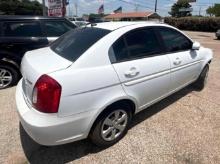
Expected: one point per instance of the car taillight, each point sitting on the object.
(46, 95)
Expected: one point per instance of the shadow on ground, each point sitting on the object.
(70, 152)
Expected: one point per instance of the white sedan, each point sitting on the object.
(93, 80)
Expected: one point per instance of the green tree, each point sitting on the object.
(214, 10)
(180, 4)
(20, 7)
(209, 11)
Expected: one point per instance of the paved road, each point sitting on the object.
(183, 128)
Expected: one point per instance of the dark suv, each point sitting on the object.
(19, 34)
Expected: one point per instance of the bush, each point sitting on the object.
(206, 24)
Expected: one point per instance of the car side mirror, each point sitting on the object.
(196, 46)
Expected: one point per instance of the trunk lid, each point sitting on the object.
(36, 63)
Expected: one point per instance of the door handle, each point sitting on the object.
(177, 61)
(132, 72)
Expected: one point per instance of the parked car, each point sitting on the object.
(91, 81)
(78, 21)
(19, 34)
(217, 34)
(80, 24)
(97, 20)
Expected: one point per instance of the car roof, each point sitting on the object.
(116, 25)
(26, 17)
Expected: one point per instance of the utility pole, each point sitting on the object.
(44, 8)
(103, 2)
(136, 7)
(76, 8)
(69, 9)
(200, 11)
(155, 9)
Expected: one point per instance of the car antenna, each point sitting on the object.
(92, 24)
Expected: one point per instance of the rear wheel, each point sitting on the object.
(8, 76)
(111, 126)
(202, 80)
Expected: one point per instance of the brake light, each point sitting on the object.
(46, 95)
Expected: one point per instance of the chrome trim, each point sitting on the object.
(184, 66)
(145, 78)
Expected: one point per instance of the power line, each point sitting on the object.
(146, 2)
(136, 4)
(140, 4)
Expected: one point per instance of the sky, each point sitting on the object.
(91, 6)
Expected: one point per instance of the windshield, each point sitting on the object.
(80, 23)
(79, 19)
(75, 42)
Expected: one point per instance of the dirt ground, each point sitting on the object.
(183, 128)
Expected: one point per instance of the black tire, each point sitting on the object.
(202, 80)
(96, 131)
(14, 74)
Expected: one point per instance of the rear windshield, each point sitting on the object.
(75, 42)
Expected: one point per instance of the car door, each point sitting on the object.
(143, 70)
(56, 28)
(185, 63)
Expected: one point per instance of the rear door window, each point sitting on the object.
(57, 28)
(74, 43)
(135, 44)
(22, 29)
(142, 43)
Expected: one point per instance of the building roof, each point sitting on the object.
(129, 15)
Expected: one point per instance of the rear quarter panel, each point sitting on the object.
(87, 89)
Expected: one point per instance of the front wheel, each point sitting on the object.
(111, 126)
(202, 80)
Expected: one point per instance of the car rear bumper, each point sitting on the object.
(49, 129)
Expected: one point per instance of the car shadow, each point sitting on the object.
(161, 105)
(73, 151)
